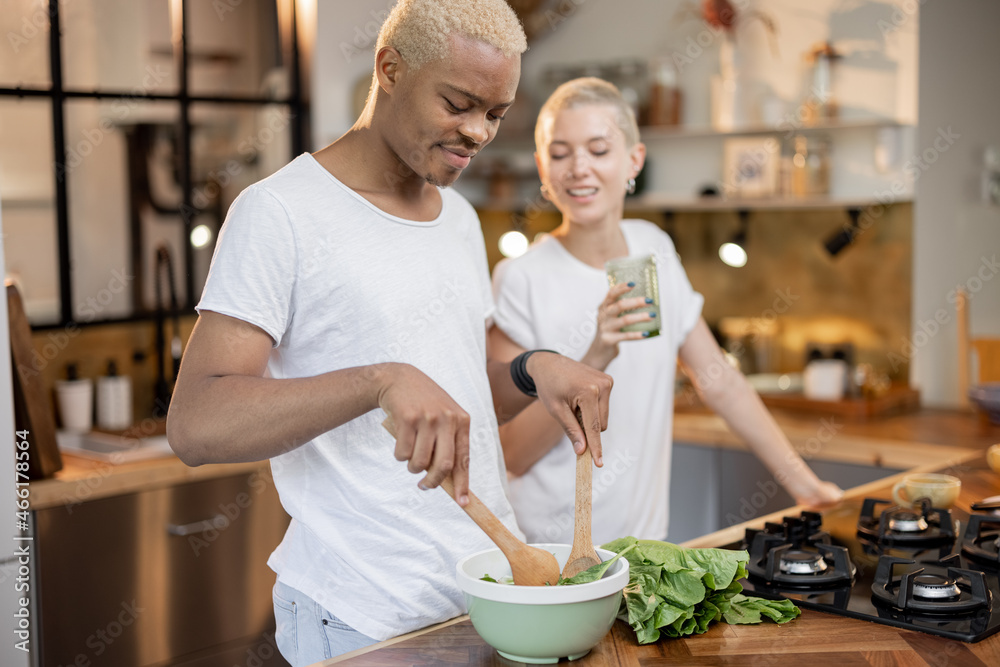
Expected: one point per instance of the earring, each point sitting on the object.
(630, 186)
(545, 191)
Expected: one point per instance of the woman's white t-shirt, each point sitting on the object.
(548, 299)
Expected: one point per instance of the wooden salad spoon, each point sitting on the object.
(583, 555)
(529, 566)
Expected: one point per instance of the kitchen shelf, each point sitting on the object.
(662, 202)
(650, 133)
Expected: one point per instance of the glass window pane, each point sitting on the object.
(25, 27)
(239, 48)
(232, 147)
(120, 45)
(28, 202)
(123, 199)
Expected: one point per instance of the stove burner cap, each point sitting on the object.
(932, 586)
(802, 562)
(904, 521)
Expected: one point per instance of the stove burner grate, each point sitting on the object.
(979, 544)
(921, 526)
(956, 591)
(776, 562)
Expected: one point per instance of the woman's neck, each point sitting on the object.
(592, 245)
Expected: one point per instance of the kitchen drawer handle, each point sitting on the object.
(183, 530)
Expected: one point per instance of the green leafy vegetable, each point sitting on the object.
(487, 577)
(677, 592)
(594, 572)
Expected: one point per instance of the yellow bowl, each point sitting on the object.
(993, 457)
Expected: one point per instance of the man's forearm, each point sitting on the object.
(244, 418)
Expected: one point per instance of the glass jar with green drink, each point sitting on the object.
(642, 272)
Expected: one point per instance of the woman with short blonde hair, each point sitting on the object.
(556, 296)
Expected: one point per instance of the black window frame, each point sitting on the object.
(59, 95)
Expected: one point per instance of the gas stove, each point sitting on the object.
(910, 567)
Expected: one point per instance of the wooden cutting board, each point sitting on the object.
(899, 399)
(33, 410)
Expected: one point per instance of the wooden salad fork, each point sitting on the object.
(583, 555)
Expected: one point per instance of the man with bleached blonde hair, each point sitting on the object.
(351, 285)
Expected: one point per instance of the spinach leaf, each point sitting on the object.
(593, 573)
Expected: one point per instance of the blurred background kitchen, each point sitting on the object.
(829, 172)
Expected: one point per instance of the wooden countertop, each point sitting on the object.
(83, 479)
(903, 441)
(815, 638)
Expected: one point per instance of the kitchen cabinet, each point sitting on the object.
(713, 487)
(175, 575)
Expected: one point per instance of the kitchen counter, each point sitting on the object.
(815, 637)
(928, 437)
(83, 479)
(901, 441)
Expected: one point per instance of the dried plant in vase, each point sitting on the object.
(730, 106)
(721, 15)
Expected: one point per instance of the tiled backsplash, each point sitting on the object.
(790, 285)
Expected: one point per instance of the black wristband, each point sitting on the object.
(519, 372)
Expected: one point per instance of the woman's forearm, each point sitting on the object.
(747, 416)
(726, 391)
(528, 437)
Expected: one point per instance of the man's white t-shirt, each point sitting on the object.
(338, 283)
(547, 298)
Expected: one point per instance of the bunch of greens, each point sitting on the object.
(679, 592)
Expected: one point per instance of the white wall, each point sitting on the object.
(956, 236)
(879, 70)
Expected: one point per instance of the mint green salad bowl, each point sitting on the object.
(540, 624)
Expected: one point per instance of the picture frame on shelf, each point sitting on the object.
(750, 167)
